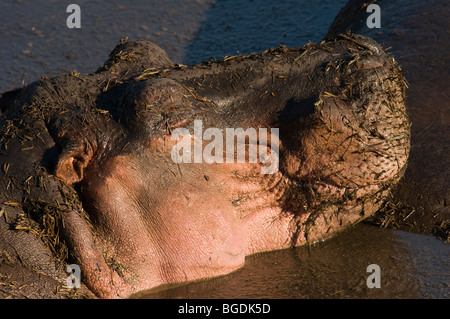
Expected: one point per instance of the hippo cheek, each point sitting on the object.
(152, 227)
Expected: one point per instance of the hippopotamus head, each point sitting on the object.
(331, 116)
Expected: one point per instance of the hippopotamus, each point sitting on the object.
(88, 175)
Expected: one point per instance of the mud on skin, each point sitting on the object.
(87, 176)
(419, 203)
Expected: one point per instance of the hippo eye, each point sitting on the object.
(296, 109)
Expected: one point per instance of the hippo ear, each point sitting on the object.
(72, 162)
(81, 135)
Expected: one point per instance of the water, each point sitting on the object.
(411, 266)
(35, 41)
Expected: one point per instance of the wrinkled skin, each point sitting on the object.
(93, 152)
(417, 34)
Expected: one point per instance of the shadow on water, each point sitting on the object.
(234, 26)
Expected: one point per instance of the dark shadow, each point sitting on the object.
(50, 158)
(296, 109)
(7, 99)
(241, 27)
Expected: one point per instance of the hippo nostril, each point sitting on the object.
(296, 109)
(364, 42)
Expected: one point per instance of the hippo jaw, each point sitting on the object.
(152, 228)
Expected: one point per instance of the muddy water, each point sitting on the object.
(35, 41)
(411, 266)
